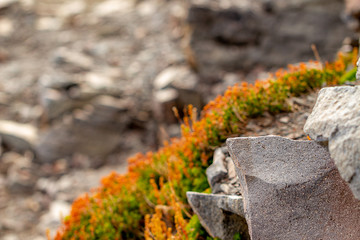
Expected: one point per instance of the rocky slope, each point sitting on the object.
(86, 83)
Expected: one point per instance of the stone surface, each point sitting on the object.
(21, 174)
(164, 101)
(221, 174)
(7, 3)
(54, 217)
(352, 17)
(216, 171)
(17, 136)
(336, 118)
(292, 190)
(233, 36)
(221, 215)
(79, 136)
(184, 81)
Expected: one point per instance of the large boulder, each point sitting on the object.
(336, 118)
(293, 190)
(221, 215)
(235, 35)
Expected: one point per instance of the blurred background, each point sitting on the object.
(84, 84)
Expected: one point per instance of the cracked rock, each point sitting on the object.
(336, 118)
(293, 190)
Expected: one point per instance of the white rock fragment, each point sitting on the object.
(18, 136)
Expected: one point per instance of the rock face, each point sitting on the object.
(336, 118)
(241, 35)
(221, 215)
(293, 190)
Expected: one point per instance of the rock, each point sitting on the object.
(292, 190)
(59, 95)
(175, 76)
(6, 27)
(284, 119)
(53, 218)
(184, 81)
(99, 82)
(74, 61)
(10, 237)
(17, 136)
(7, 3)
(48, 24)
(336, 118)
(164, 101)
(80, 136)
(352, 17)
(8, 159)
(233, 36)
(55, 103)
(352, 6)
(105, 8)
(68, 187)
(21, 175)
(216, 171)
(27, 112)
(221, 215)
(221, 174)
(71, 8)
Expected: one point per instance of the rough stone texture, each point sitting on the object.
(292, 190)
(241, 34)
(221, 174)
(221, 215)
(216, 171)
(336, 118)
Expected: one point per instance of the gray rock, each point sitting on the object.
(164, 101)
(10, 237)
(221, 215)
(17, 136)
(105, 8)
(352, 10)
(21, 175)
(53, 218)
(80, 136)
(235, 35)
(292, 190)
(216, 171)
(336, 118)
(70, 9)
(174, 74)
(74, 61)
(7, 3)
(6, 27)
(231, 168)
(184, 81)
